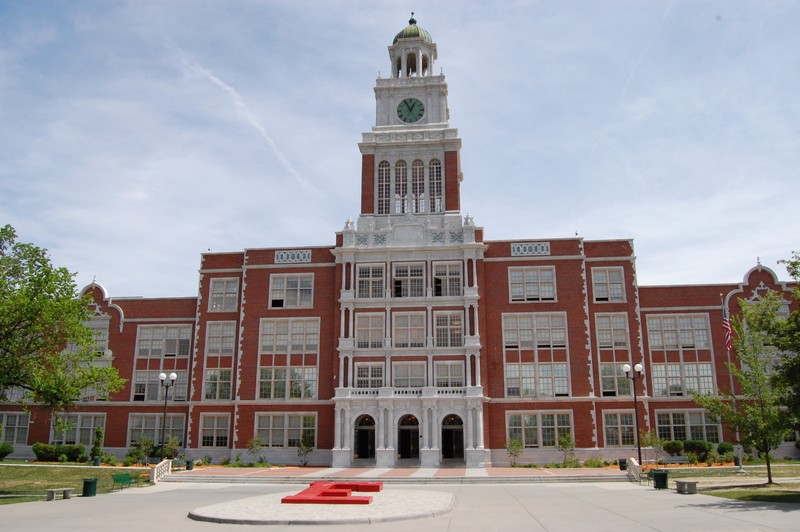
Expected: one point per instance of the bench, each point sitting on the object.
(688, 487)
(123, 480)
(676, 460)
(66, 493)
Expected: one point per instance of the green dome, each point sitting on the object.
(413, 31)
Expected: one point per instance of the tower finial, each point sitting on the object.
(412, 20)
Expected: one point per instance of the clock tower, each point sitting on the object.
(411, 119)
(409, 386)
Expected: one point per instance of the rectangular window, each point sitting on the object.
(692, 425)
(284, 336)
(619, 429)
(532, 283)
(286, 430)
(612, 331)
(78, 429)
(681, 379)
(673, 331)
(544, 330)
(281, 383)
(370, 331)
(447, 279)
(607, 284)
(218, 384)
(291, 291)
(214, 430)
(220, 338)
(613, 381)
(149, 426)
(369, 281)
(369, 375)
(409, 280)
(449, 374)
(449, 330)
(538, 429)
(537, 380)
(157, 341)
(14, 428)
(147, 386)
(409, 329)
(408, 375)
(224, 295)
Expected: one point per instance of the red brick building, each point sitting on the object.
(410, 340)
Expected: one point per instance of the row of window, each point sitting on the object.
(543, 429)
(525, 284)
(447, 374)
(397, 194)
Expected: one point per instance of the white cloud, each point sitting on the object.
(137, 135)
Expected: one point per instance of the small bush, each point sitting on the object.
(728, 457)
(673, 447)
(52, 453)
(700, 448)
(5, 449)
(724, 448)
(108, 459)
(225, 460)
(594, 462)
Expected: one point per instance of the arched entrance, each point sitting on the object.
(364, 438)
(452, 437)
(408, 437)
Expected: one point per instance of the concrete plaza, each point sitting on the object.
(498, 503)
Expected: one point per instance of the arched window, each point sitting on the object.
(384, 188)
(400, 187)
(417, 186)
(399, 68)
(411, 64)
(435, 185)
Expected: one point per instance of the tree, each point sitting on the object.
(783, 332)
(45, 348)
(567, 446)
(760, 419)
(304, 447)
(514, 449)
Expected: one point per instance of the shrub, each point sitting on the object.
(5, 449)
(514, 449)
(225, 460)
(724, 448)
(97, 448)
(109, 459)
(52, 453)
(699, 447)
(673, 447)
(594, 462)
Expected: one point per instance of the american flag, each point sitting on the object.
(726, 324)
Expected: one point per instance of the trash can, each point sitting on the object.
(660, 479)
(623, 464)
(189, 464)
(96, 461)
(89, 487)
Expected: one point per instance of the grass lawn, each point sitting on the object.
(23, 483)
(775, 493)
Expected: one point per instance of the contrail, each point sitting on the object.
(246, 113)
(636, 67)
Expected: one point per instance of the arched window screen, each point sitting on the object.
(418, 186)
(384, 187)
(401, 187)
(435, 185)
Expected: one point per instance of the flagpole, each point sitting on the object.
(726, 324)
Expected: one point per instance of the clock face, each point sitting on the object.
(410, 110)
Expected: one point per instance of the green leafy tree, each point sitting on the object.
(45, 348)
(783, 333)
(305, 447)
(255, 447)
(97, 448)
(514, 449)
(760, 419)
(567, 446)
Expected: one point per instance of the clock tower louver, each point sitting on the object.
(409, 377)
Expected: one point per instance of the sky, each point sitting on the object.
(137, 135)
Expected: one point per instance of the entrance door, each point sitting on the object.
(408, 438)
(452, 437)
(364, 438)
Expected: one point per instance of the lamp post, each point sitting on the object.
(638, 368)
(167, 385)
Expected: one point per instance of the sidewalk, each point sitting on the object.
(405, 475)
